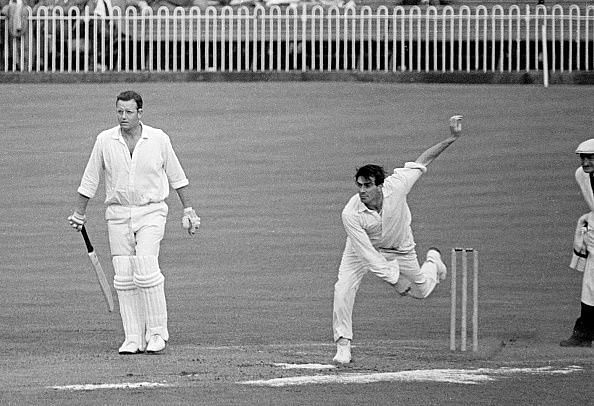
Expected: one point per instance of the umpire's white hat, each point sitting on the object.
(586, 147)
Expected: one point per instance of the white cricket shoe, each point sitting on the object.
(343, 351)
(433, 255)
(155, 344)
(129, 348)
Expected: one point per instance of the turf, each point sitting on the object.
(271, 165)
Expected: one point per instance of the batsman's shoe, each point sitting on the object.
(577, 339)
(129, 348)
(434, 255)
(155, 344)
(343, 351)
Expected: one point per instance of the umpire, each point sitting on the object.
(583, 330)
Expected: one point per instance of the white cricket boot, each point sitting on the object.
(155, 344)
(343, 351)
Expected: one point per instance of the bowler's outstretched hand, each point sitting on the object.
(456, 126)
(190, 220)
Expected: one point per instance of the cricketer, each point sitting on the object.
(583, 330)
(377, 221)
(139, 166)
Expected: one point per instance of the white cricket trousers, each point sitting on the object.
(135, 235)
(421, 279)
(136, 230)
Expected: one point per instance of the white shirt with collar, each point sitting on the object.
(133, 180)
(369, 231)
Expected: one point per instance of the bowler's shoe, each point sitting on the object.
(155, 344)
(343, 351)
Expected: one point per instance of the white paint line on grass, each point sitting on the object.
(533, 371)
(303, 366)
(459, 376)
(256, 346)
(124, 385)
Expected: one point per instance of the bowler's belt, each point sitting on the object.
(391, 250)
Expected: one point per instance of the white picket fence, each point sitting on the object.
(303, 38)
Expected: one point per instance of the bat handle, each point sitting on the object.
(87, 240)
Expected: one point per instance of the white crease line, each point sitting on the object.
(534, 371)
(459, 376)
(303, 366)
(125, 385)
(257, 347)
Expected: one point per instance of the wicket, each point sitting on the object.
(464, 298)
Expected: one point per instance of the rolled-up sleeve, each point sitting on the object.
(175, 173)
(92, 174)
(409, 175)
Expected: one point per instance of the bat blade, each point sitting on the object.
(102, 280)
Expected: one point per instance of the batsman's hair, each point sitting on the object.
(372, 171)
(130, 95)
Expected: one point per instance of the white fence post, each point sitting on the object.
(304, 37)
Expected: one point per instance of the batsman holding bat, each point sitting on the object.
(139, 166)
(377, 221)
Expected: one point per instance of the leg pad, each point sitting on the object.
(131, 306)
(150, 282)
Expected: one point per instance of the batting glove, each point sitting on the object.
(190, 220)
(77, 220)
(456, 125)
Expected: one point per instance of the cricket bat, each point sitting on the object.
(98, 271)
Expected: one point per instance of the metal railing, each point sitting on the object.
(302, 38)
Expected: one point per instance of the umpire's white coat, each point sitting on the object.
(583, 180)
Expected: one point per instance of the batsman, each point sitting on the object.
(377, 221)
(139, 167)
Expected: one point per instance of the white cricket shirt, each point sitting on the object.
(368, 231)
(140, 179)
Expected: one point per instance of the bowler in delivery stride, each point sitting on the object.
(377, 221)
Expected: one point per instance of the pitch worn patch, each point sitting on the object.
(460, 376)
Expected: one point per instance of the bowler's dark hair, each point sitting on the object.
(130, 95)
(372, 171)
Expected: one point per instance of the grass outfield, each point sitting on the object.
(271, 167)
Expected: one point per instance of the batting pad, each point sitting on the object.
(131, 304)
(122, 266)
(148, 278)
